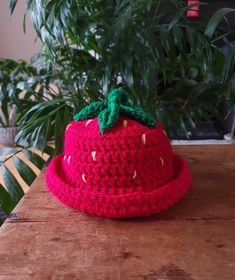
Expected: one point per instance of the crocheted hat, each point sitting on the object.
(117, 162)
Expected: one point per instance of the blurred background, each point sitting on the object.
(16, 44)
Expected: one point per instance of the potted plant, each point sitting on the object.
(9, 77)
(21, 87)
(171, 65)
(13, 100)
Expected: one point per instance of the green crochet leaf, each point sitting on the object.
(108, 112)
(91, 111)
(104, 120)
(137, 113)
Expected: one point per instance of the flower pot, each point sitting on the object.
(7, 135)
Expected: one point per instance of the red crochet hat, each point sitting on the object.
(117, 162)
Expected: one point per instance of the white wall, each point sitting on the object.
(13, 42)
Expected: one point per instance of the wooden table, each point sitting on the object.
(194, 239)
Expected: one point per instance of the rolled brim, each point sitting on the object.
(119, 206)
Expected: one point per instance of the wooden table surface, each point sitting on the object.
(194, 239)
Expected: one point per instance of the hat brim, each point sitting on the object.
(119, 206)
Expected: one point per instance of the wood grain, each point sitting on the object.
(192, 240)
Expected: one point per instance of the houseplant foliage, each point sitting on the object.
(12, 100)
(21, 87)
(11, 73)
(13, 192)
(14, 77)
(170, 65)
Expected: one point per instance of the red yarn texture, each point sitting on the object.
(130, 170)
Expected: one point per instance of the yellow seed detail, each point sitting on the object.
(162, 161)
(68, 127)
(93, 154)
(143, 137)
(165, 132)
(88, 122)
(125, 123)
(134, 175)
(83, 178)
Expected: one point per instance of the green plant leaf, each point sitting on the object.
(215, 21)
(230, 68)
(6, 202)
(24, 23)
(12, 5)
(6, 151)
(24, 170)
(13, 187)
(34, 158)
(49, 150)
